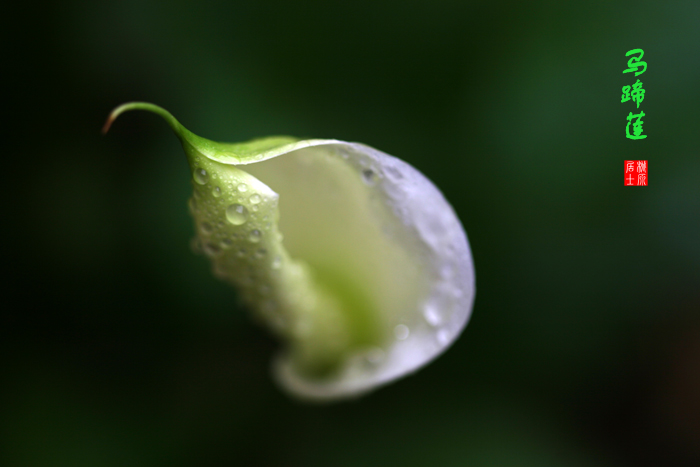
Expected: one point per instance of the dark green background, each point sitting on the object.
(120, 349)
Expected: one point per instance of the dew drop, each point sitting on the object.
(201, 176)
(206, 228)
(236, 214)
(276, 262)
(260, 253)
(443, 336)
(393, 173)
(401, 332)
(226, 243)
(369, 176)
(374, 356)
(432, 315)
(210, 249)
(254, 236)
(216, 192)
(192, 204)
(241, 253)
(255, 199)
(242, 187)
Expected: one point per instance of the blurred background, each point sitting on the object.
(118, 347)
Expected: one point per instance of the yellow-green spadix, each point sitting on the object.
(351, 256)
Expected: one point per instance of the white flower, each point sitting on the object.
(350, 255)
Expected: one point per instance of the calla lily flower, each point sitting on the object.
(351, 256)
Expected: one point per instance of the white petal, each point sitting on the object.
(351, 207)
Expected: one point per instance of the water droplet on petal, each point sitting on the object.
(206, 228)
(201, 176)
(242, 187)
(276, 262)
(236, 214)
(443, 336)
(432, 315)
(401, 332)
(393, 173)
(216, 192)
(210, 249)
(255, 199)
(374, 356)
(369, 176)
(254, 236)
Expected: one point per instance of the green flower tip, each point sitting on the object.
(174, 124)
(350, 256)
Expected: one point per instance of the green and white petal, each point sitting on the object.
(351, 256)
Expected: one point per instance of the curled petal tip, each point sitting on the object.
(174, 124)
(108, 123)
